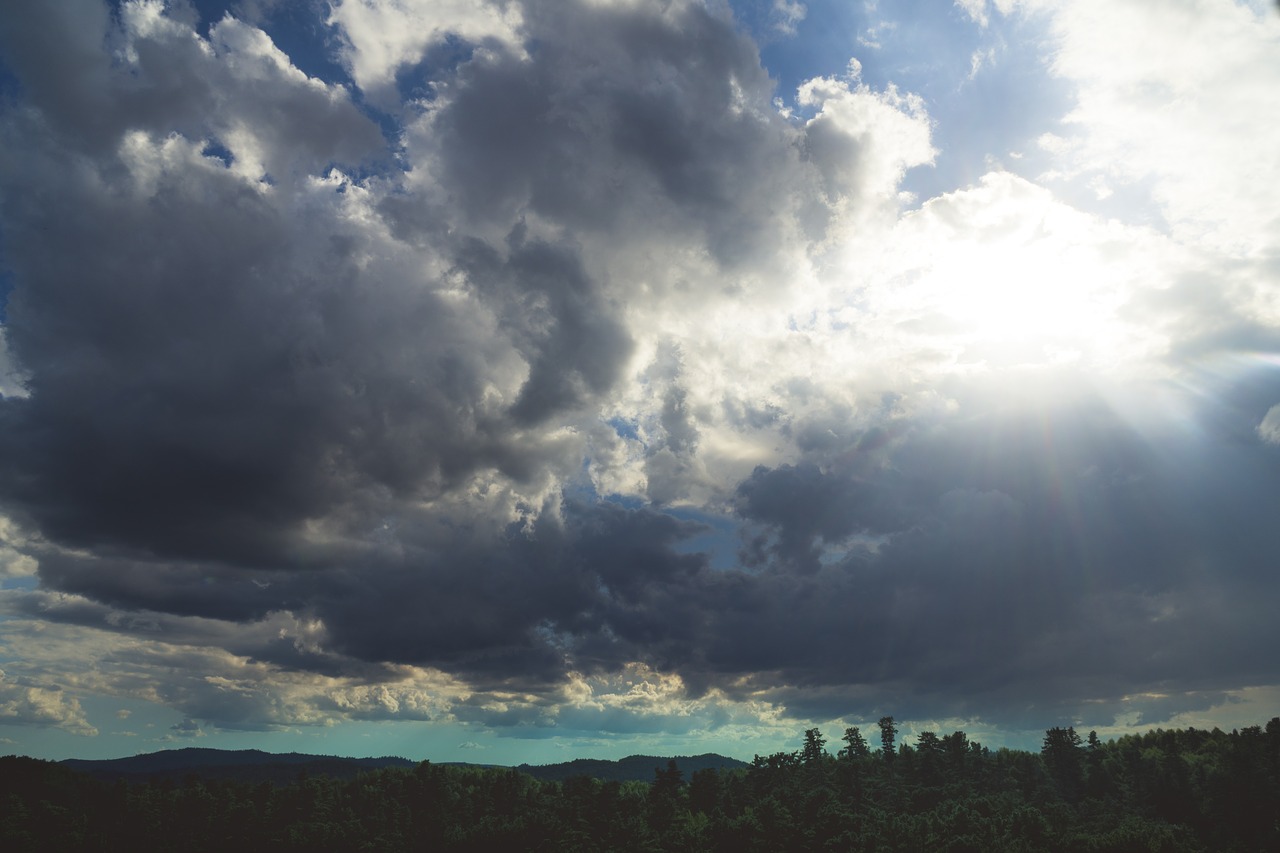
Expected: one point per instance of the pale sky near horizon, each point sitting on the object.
(521, 380)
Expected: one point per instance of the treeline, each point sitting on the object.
(1183, 790)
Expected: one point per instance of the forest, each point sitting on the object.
(1164, 790)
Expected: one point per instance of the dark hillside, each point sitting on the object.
(633, 768)
(252, 765)
(1168, 791)
(242, 765)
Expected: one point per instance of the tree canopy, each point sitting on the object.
(1166, 790)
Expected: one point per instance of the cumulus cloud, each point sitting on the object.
(1172, 111)
(588, 390)
(145, 657)
(1002, 274)
(863, 141)
(26, 704)
(379, 39)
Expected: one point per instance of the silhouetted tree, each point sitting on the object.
(813, 751)
(887, 732)
(929, 747)
(667, 782)
(855, 744)
(955, 747)
(1061, 755)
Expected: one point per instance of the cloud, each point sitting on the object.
(188, 728)
(379, 39)
(11, 378)
(1269, 429)
(235, 88)
(193, 674)
(980, 58)
(976, 10)
(862, 141)
(787, 15)
(586, 390)
(1002, 274)
(13, 562)
(25, 704)
(1173, 111)
(227, 691)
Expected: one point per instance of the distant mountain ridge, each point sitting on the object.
(633, 767)
(253, 765)
(196, 757)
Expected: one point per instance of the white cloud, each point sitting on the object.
(1189, 107)
(863, 141)
(22, 703)
(13, 562)
(12, 380)
(999, 277)
(787, 15)
(979, 59)
(1269, 429)
(212, 687)
(382, 38)
(158, 664)
(976, 10)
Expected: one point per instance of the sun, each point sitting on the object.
(1000, 277)
(1032, 301)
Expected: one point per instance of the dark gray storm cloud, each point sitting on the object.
(1055, 555)
(620, 111)
(556, 319)
(283, 361)
(213, 362)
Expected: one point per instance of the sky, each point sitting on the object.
(525, 380)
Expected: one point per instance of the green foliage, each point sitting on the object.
(814, 744)
(855, 744)
(887, 732)
(1177, 791)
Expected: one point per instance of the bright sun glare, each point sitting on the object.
(1034, 293)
